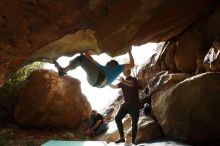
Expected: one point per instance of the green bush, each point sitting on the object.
(10, 90)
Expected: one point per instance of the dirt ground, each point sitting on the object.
(12, 134)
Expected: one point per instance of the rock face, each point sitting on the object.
(26, 27)
(189, 110)
(49, 100)
(148, 129)
(147, 72)
(194, 51)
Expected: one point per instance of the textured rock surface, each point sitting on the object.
(194, 51)
(148, 129)
(37, 29)
(49, 100)
(192, 46)
(189, 110)
(147, 72)
(27, 26)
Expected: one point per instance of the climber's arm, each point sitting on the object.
(131, 64)
(114, 86)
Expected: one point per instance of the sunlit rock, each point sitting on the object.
(148, 129)
(189, 110)
(163, 78)
(148, 71)
(160, 63)
(53, 101)
(82, 40)
(191, 46)
(167, 56)
(212, 59)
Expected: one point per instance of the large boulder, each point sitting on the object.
(186, 52)
(189, 110)
(50, 100)
(148, 129)
(190, 52)
(166, 58)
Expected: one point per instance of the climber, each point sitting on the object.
(129, 87)
(97, 75)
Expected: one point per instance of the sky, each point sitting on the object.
(100, 98)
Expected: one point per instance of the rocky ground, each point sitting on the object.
(13, 134)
